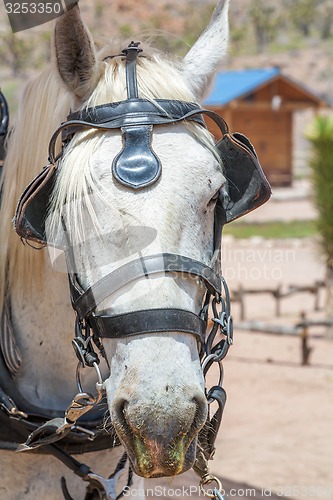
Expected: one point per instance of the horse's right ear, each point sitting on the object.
(208, 52)
(75, 54)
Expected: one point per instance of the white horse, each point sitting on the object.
(155, 388)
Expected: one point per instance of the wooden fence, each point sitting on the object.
(301, 329)
(278, 294)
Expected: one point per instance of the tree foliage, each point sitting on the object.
(255, 26)
(303, 13)
(265, 21)
(321, 137)
(325, 20)
(23, 52)
(15, 52)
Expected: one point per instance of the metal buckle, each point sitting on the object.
(82, 344)
(208, 479)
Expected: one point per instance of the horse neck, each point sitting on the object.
(44, 325)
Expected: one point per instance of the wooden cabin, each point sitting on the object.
(260, 103)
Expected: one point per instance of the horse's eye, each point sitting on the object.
(214, 198)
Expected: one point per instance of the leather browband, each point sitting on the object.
(134, 112)
(160, 111)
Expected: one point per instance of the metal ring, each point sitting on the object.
(98, 372)
(99, 382)
(210, 400)
(211, 357)
(230, 331)
(78, 376)
(207, 479)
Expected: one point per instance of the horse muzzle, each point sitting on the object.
(159, 442)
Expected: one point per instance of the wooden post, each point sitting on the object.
(316, 304)
(278, 295)
(305, 349)
(241, 297)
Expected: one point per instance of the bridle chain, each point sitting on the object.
(217, 309)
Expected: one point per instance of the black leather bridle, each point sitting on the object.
(136, 118)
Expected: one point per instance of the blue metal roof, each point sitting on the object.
(230, 85)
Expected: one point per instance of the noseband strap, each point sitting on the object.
(149, 321)
(86, 302)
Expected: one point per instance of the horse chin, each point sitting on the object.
(152, 459)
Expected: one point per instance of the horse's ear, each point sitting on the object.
(206, 55)
(75, 54)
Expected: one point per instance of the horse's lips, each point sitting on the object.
(149, 457)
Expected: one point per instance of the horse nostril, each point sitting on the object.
(201, 413)
(119, 414)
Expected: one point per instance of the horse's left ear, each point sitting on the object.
(75, 54)
(208, 52)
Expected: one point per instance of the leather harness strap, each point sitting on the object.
(131, 53)
(157, 112)
(4, 120)
(86, 303)
(149, 321)
(135, 112)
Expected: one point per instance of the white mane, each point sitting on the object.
(44, 105)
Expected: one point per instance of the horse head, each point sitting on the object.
(137, 198)
(155, 389)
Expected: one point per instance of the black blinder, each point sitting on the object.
(4, 120)
(246, 185)
(32, 208)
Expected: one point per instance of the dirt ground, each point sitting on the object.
(276, 438)
(278, 425)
